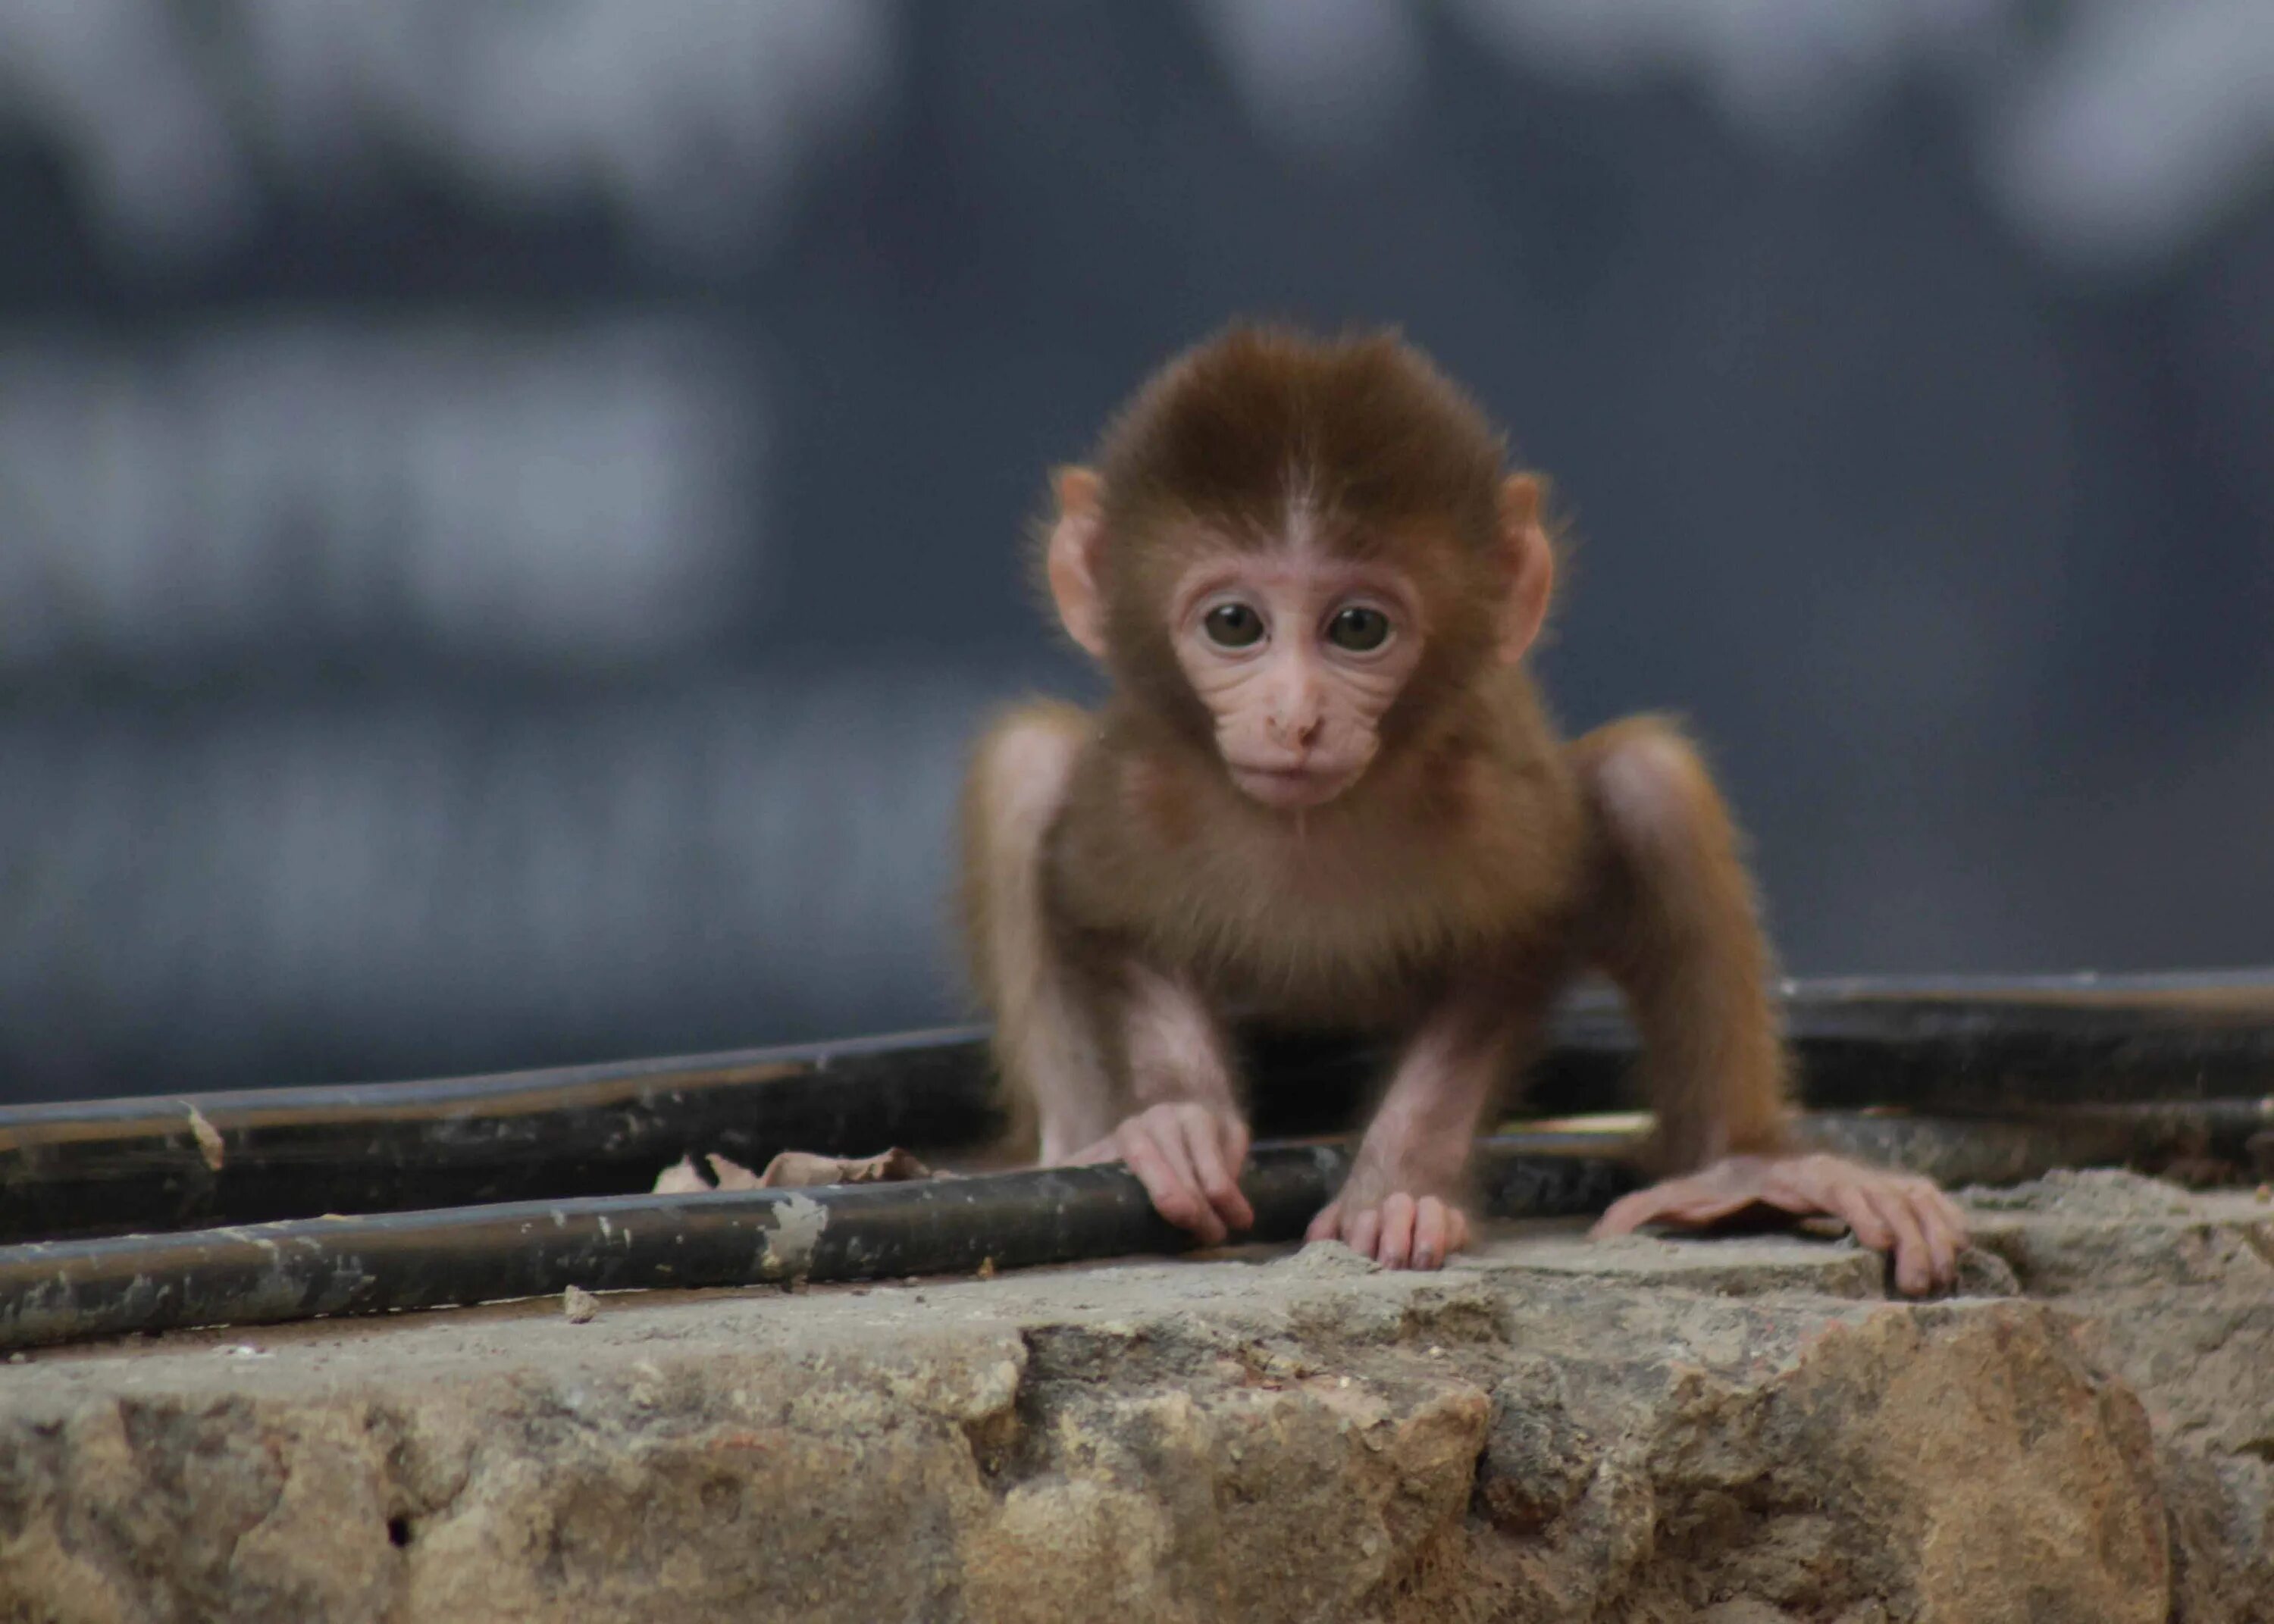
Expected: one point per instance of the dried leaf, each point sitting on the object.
(680, 1178)
(792, 1169)
(733, 1175)
(797, 1170)
(211, 1146)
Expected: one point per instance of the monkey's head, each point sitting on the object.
(1293, 549)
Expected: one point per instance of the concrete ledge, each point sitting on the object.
(1740, 1429)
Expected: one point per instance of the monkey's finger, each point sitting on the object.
(1459, 1232)
(1432, 1232)
(1168, 1130)
(1932, 1263)
(1327, 1225)
(1232, 1134)
(1941, 1243)
(1847, 1200)
(1953, 1215)
(1396, 1250)
(1914, 1262)
(1694, 1201)
(1215, 1182)
(1629, 1213)
(1681, 1200)
(1364, 1230)
(1174, 1196)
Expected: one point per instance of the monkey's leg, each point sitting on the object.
(1047, 1038)
(1402, 1203)
(1678, 933)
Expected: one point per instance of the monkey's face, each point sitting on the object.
(1295, 655)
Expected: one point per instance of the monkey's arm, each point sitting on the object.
(1047, 1045)
(1401, 1203)
(1187, 1138)
(1059, 1031)
(1679, 934)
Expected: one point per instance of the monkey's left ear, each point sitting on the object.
(1531, 561)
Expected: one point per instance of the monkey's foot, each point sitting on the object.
(1189, 1156)
(1889, 1212)
(1397, 1232)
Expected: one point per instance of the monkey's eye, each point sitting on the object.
(1233, 626)
(1359, 629)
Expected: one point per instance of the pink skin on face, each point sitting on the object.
(1296, 656)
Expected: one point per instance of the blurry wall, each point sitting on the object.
(508, 513)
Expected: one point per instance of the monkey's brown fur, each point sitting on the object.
(1474, 866)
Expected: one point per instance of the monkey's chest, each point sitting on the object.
(1315, 968)
(1346, 939)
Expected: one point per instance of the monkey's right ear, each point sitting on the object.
(1072, 557)
(1530, 558)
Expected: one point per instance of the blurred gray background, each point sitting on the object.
(509, 512)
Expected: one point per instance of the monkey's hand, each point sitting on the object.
(1889, 1212)
(1395, 1212)
(1189, 1156)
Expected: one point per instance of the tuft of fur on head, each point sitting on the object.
(1379, 451)
(1363, 426)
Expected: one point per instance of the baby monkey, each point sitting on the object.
(1324, 794)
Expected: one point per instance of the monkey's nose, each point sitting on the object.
(1294, 733)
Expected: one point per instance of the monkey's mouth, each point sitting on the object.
(1289, 789)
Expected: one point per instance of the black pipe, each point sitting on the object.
(1983, 1046)
(252, 1156)
(70, 1290)
(1955, 1152)
(1971, 1150)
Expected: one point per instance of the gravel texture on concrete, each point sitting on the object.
(1738, 1431)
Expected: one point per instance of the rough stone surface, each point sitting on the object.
(1737, 1430)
